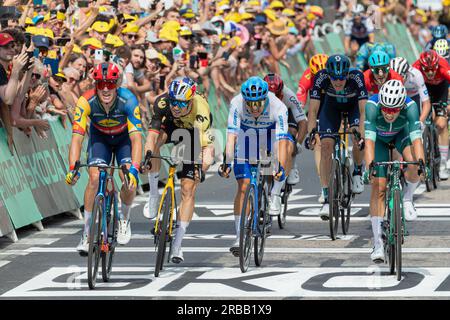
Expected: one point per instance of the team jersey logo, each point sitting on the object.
(162, 104)
(78, 113)
(108, 123)
(137, 113)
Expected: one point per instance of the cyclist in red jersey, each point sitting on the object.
(436, 73)
(316, 63)
(379, 72)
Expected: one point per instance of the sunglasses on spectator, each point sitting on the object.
(36, 75)
(132, 36)
(110, 85)
(58, 80)
(179, 104)
(390, 110)
(380, 70)
(218, 24)
(277, 9)
(187, 37)
(41, 8)
(340, 78)
(255, 104)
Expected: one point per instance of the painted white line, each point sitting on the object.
(60, 231)
(14, 252)
(4, 263)
(37, 241)
(267, 250)
(230, 217)
(229, 206)
(315, 237)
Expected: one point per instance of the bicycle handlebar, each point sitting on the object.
(123, 167)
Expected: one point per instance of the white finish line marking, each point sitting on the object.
(4, 263)
(230, 283)
(226, 250)
(306, 237)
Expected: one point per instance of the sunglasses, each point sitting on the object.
(340, 78)
(380, 70)
(187, 37)
(390, 110)
(179, 104)
(277, 9)
(41, 8)
(132, 36)
(110, 85)
(255, 104)
(217, 24)
(36, 75)
(9, 46)
(429, 70)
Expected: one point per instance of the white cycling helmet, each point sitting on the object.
(358, 9)
(400, 65)
(441, 47)
(393, 94)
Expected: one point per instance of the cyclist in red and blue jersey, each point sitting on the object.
(344, 91)
(115, 127)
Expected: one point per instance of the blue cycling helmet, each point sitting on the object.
(439, 32)
(182, 89)
(254, 89)
(338, 65)
(379, 59)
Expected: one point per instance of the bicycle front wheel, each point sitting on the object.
(398, 233)
(246, 231)
(348, 195)
(162, 232)
(112, 227)
(95, 241)
(429, 157)
(334, 199)
(263, 217)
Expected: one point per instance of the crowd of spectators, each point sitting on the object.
(48, 49)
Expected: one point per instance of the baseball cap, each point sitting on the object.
(209, 28)
(276, 4)
(101, 26)
(152, 37)
(130, 28)
(92, 42)
(45, 32)
(114, 40)
(5, 38)
(37, 19)
(185, 31)
(167, 34)
(174, 25)
(260, 19)
(41, 41)
(151, 54)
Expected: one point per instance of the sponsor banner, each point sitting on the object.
(230, 283)
(15, 195)
(44, 170)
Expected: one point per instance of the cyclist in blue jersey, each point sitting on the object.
(115, 127)
(362, 57)
(438, 32)
(343, 90)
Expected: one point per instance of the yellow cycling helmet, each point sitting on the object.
(317, 62)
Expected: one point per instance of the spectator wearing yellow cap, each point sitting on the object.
(88, 48)
(185, 38)
(129, 34)
(99, 30)
(277, 8)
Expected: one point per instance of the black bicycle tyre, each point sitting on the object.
(162, 232)
(429, 158)
(260, 241)
(333, 197)
(437, 159)
(282, 216)
(398, 233)
(345, 212)
(107, 258)
(95, 232)
(246, 231)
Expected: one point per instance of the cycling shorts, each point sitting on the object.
(101, 147)
(401, 141)
(439, 92)
(331, 116)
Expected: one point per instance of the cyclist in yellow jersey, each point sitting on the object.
(180, 108)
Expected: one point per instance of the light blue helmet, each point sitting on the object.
(254, 89)
(379, 59)
(439, 32)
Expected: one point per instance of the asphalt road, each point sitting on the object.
(300, 262)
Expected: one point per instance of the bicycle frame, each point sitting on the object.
(254, 181)
(169, 184)
(394, 184)
(105, 180)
